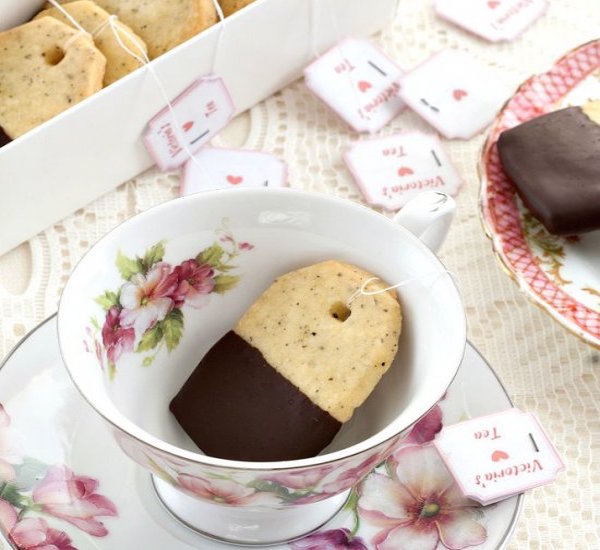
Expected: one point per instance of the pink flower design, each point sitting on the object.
(98, 350)
(10, 454)
(325, 482)
(303, 479)
(225, 491)
(419, 506)
(194, 283)
(115, 338)
(32, 533)
(245, 246)
(334, 539)
(74, 499)
(7, 472)
(322, 483)
(146, 299)
(8, 516)
(349, 477)
(426, 428)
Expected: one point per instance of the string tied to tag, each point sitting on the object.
(362, 291)
(142, 58)
(73, 21)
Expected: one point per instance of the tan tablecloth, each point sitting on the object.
(545, 369)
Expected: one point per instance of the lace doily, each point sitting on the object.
(545, 369)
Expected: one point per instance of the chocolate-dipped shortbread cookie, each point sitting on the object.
(554, 162)
(294, 369)
(4, 139)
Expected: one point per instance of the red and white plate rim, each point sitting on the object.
(498, 207)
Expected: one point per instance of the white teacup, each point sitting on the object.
(129, 351)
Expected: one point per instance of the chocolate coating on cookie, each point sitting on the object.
(554, 162)
(4, 138)
(236, 406)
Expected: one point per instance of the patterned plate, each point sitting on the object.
(66, 485)
(561, 274)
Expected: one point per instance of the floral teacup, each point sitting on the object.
(150, 298)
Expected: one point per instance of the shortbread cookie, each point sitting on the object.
(231, 6)
(119, 62)
(295, 367)
(335, 363)
(163, 24)
(45, 68)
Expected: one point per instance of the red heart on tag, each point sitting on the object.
(188, 125)
(234, 180)
(493, 4)
(459, 94)
(499, 455)
(405, 171)
(363, 85)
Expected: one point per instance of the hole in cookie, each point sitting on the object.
(340, 311)
(53, 56)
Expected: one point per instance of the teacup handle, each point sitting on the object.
(428, 216)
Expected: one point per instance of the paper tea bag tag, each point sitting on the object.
(392, 170)
(457, 95)
(195, 117)
(497, 456)
(359, 82)
(493, 20)
(216, 168)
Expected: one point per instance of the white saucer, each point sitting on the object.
(50, 424)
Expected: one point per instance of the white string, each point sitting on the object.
(75, 23)
(334, 21)
(363, 292)
(116, 30)
(465, 400)
(68, 16)
(314, 25)
(221, 34)
(145, 60)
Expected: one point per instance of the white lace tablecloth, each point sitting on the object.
(545, 369)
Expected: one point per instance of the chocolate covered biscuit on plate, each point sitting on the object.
(554, 162)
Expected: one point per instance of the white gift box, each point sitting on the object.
(94, 146)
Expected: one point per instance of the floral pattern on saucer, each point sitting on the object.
(410, 500)
(146, 313)
(536, 260)
(34, 370)
(30, 489)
